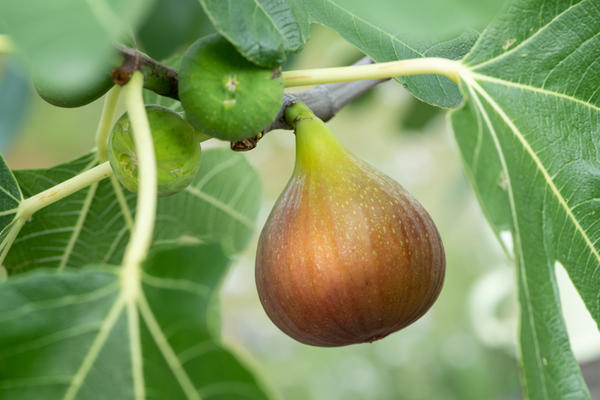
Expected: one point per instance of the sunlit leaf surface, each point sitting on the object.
(530, 138)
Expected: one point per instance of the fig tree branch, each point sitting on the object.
(158, 77)
(324, 100)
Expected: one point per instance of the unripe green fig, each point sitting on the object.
(223, 94)
(72, 81)
(347, 255)
(65, 96)
(176, 147)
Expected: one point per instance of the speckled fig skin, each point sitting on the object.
(223, 94)
(347, 254)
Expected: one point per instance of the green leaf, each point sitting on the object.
(221, 203)
(52, 237)
(530, 138)
(421, 19)
(90, 226)
(276, 28)
(389, 45)
(69, 43)
(70, 334)
(264, 31)
(10, 195)
(172, 24)
(10, 200)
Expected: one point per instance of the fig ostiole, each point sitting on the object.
(347, 255)
(223, 94)
(176, 147)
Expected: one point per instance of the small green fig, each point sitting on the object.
(176, 146)
(73, 80)
(347, 255)
(62, 95)
(223, 94)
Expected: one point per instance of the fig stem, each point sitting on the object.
(106, 120)
(143, 226)
(392, 69)
(298, 111)
(315, 142)
(6, 45)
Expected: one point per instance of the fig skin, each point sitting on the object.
(176, 147)
(347, 255)
(77, 94)
(74, 81)
(223, 94)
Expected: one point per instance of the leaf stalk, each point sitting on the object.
(392, 69)
(106, 119)
(43, 199)
(143, 226)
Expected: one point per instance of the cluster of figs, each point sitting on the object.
(347, 255)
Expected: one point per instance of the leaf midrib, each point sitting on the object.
(218, 204)
(486, 78)
(517, 238)
(135, 305)
(539, 164)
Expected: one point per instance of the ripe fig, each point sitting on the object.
(347, 255)
(223, 94)
(176, 146)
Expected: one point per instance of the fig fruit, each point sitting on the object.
(176, 146)
(73, 80)
(60, 95)
(223, 94)
(347, 255)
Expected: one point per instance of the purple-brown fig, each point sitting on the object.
(347, 254)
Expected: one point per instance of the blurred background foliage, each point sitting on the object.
(464, 348)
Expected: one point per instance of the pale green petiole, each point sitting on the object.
(105, 124)
(143, 226)
(416, 66)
